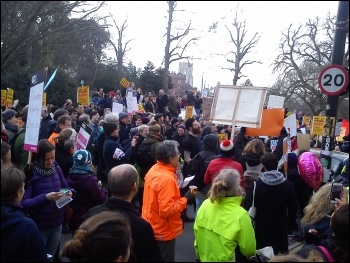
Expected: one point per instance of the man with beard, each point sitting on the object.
(191, 146)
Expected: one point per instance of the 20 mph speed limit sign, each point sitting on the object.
(333, 80)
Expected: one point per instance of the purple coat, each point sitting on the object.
(46, 213)
(89, 194)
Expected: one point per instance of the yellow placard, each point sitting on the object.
(83, 95)
(141, 109)
(318, 123)
(44, 99)
(222, 137)
(9, 98)
(306, 120)
(3, 97)
(125, 83)
(189, 112)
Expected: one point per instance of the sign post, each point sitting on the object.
(333, 81)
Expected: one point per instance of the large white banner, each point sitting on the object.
(238, 105)
(34, 111)
(275, 101)
(291, 125)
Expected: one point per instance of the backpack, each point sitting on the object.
(144, 158)
(198, 166)
(12, 144)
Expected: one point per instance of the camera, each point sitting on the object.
(336, 192)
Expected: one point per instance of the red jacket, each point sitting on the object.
(216, 165)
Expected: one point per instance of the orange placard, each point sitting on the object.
(271, 123)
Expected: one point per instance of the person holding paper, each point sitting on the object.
(42, 193)
(162, 202)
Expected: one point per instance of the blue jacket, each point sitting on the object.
(46, 213)
(20, 237)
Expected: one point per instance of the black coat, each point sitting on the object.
(271, 222)
(144, 245)
(64, 159)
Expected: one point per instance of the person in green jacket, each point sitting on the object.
(20, 156)
(222, 225)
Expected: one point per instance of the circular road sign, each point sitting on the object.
(333, 80)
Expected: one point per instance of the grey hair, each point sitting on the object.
(167, 149)
(225, 184)
(142, 127)
(111, 117)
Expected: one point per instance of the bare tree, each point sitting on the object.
(304, 51)
(29, 27)
(241, 49)
(180, 40)
(120, 49)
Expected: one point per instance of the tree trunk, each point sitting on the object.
(167, 48)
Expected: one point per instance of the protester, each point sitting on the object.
(161, 102)
(19, 155)
(162, 203)
(274, 200)
(317, 215)
(124, 127)
(5, 155)
(20, 237)
(63, 122)
(252, 167)
(64, 149)
(42, 193)
(334, 248)
(222, 225)
(104, 237)
(225, 159)
(83, 180)
(10, 120)
(179, 136)
(123, 182)
(303, 193)
(198, 166)
(113, 155)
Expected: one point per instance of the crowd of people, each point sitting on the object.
(124, 200)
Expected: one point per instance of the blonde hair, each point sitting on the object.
(313, 256)
(142, 127)
(255, 146)
(319, 206)
(154, 127)
(225, 184)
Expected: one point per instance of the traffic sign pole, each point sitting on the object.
(332, 100)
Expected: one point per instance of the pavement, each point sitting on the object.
(184, 250)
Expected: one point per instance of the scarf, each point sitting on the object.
(81, 169)
(43, 171)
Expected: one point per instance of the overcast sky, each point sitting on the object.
(147, 26)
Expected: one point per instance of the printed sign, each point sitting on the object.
(117, 107)
(83, 95)
(83, 137)
(206, 107)
(275, 101)
(3, 97)
(290, 125)
(140, 108)
(9, 98)
(317, 125)
(125, 83)
(34, 111)
(222, 137)
(337, 128)
(129, 102)
(189, 112)
(306, 121)
(273, 145)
